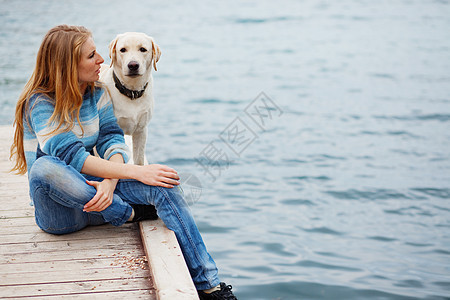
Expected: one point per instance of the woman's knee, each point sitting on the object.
(175, 195)
(45, 167)
(52, 173)
(60, 230)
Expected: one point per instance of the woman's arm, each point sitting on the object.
(157, 175)
(64, 145)
(105, 190)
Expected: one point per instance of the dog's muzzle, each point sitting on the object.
(133, 68)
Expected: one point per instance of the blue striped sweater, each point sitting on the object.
(73, 147)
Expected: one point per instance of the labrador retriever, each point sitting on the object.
(130, 82)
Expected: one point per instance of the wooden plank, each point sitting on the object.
(16, 222)
(110, 295)
(30, 228)
(169, 271)
(67, 274)
(104, 232)
(8, 180)
(117, 242)
(5, 230)
(74, 288)
(11, 193)
(98, 253)
(7, 214)
(15, 202)
(19, 200)
(123, 259)
(17, 207)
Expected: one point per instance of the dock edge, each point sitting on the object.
(167, 265)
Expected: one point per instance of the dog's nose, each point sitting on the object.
(133, 65)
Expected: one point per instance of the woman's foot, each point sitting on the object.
(143, 212)
(222, 291)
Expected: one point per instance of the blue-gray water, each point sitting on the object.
(345, 193)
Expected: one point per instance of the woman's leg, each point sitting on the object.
(175, 213)
(59, 194)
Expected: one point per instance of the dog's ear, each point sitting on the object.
(156, 54)
(112, 49)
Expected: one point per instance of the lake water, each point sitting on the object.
(334, 183)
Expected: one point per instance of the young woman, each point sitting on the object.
(61, 115)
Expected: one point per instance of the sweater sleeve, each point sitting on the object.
(64, 145)
(110, 139)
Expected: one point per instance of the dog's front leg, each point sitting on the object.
(139, 138)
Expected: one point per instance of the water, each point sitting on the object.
(345, 195)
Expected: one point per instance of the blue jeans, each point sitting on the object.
(59, 194)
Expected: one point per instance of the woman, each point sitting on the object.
(61, 115)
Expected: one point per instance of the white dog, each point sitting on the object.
(130, 82)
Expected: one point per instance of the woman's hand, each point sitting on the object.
(104, 196)
(157, 175)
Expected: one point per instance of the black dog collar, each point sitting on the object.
(127, 92)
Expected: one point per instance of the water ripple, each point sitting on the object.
(274, 248)
(443, 193)
(322, 230)
(265, 20)
(375, 194)
(426, 117)
(214, 101)
(314, 264)
(176, 161)
(308, 178)
(382, 238)
(336, 255)
(409, 283)
(420, 245)
(442, 251)
(299, 202)
(410, 211)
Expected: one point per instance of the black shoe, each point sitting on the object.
(144, 212)
(224, 293)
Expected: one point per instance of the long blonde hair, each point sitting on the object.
(56, 76)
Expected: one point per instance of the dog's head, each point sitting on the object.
(134, 53)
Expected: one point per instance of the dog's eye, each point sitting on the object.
(143, 49)
(123, 50)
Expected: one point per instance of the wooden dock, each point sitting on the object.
(134, 261)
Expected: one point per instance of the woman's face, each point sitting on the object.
(89, 65)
